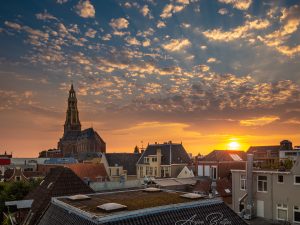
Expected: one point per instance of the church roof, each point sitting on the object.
(88, 133)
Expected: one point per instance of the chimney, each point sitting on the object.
(249, 211)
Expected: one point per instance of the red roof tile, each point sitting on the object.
(88, 170)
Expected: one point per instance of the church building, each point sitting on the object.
(75, 141)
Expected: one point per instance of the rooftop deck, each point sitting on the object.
(137, 201)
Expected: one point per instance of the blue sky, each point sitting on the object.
(204, 72)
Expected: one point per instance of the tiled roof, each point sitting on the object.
(88, 170)
(203, 186)
(127, 160)
(170, 152)
(224, 187)
(263, 148)
(198, 212)
(58, 216)
(59, 182)
(225, 155)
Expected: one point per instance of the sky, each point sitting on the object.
(202, 72)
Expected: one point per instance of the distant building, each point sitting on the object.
(162, 160)
(75, 140)
(271, 194)
(218, 163)
(5, 155)
(51, 153)
(268, 156)
(289, 154)
(59, 161)
(122, 166)
(5, 161)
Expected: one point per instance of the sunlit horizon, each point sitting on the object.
(210, 74)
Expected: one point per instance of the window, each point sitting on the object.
(241, 206)
(297, 180)
(151, 171)
(282, 212)
(243, 182)
(154, 159)
(141, 172)
(117, 172)
(214, 173)
(280, 179)
(262, 184)
(297, 214)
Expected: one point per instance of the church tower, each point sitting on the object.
(72, 116)
(76, 142)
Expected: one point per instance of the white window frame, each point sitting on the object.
(278, 179)
(263, 182)
(281, 207)
(295, 179)
(295, 210)
(245, 182)
(212, 172)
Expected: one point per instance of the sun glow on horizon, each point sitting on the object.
(233, 145)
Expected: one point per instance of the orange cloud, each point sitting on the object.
(259, 121)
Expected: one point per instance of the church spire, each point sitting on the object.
(72, 116)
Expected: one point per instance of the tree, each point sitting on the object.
(14, 191)
(288, 164)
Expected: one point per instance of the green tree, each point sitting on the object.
(14, 191)
(288, 164)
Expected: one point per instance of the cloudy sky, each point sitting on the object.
(204, 72)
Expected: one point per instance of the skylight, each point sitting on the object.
(191, 195)
(111, 206)
(235, 157)
(78, 197)
(227, 190)
(152, 189)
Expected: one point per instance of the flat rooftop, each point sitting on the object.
(137, 201)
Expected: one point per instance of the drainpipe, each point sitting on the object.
(249, 212)
(272, 194)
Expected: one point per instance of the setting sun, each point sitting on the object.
(234, 145)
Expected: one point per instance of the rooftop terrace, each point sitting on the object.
(136, 202)
(139, 207)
